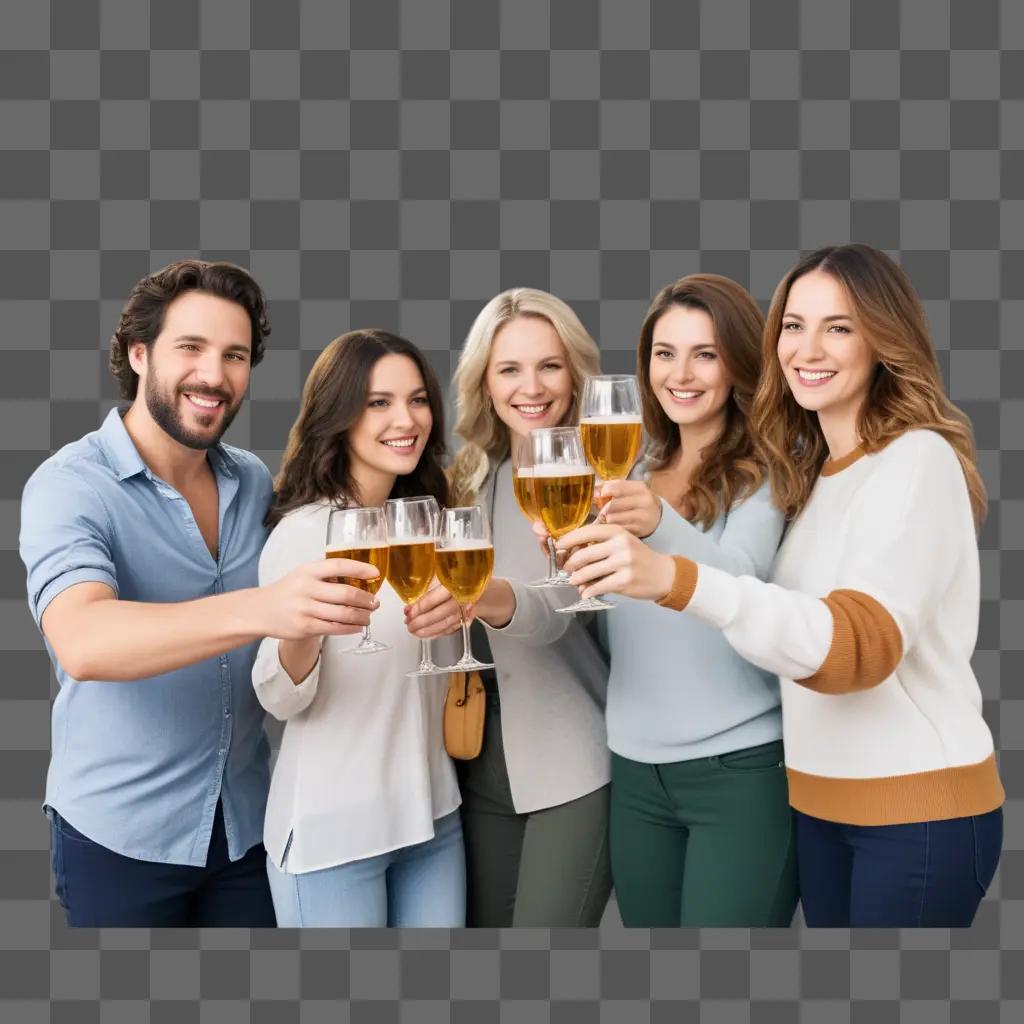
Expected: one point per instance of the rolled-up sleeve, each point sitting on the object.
(66, 536)
(275, 689)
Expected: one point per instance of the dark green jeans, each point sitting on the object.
(546, 869)
(707, 842)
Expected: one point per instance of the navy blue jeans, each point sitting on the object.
(101, 889)
(929, 874)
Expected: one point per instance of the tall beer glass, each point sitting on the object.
(360, 534)
(412, 529)
(526, 498)
(611, 425)
(464, 560)
(564, 485)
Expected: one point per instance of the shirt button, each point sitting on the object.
(227, 712)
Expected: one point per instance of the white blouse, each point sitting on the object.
(362, 767)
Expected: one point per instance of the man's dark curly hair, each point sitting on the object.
(142, 318)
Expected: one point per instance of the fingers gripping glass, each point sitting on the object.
(412, 530)
(361, 535)
(464, 560)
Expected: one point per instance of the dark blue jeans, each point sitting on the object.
(101, 889)
(930, 874)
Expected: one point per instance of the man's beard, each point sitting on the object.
(165, 413)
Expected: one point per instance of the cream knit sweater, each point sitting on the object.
(870, 621)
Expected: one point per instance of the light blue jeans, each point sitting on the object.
(421, 886)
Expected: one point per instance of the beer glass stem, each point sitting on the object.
(467, 654)
(367, 639)
(426, 661)
(552, 559)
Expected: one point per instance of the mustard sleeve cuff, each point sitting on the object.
(683, 584)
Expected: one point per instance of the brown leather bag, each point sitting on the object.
(465, 705)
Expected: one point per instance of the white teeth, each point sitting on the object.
(816, 374)
(532, 410)
(206, 403)
(401, 444)
(685, 394)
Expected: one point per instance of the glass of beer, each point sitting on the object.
(360, 534)
(412, 529)
(563, 481)
(611, 425)
(526, 499)
(464, 561)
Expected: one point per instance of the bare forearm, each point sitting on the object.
(497, 605)
(298, 657)
(126, 640)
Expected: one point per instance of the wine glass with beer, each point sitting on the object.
(526, 499)
(611, 425)
(464, 561)
(412, 529)
(563, 483)
(360, 534)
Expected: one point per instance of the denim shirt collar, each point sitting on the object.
(127, 462)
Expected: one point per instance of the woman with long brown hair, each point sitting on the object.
(871, 617)
(701, 830)
(362, 825)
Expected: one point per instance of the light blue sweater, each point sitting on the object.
(677, 690)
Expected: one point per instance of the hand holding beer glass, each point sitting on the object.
(464, 560)
(412, 529)
(361, 535)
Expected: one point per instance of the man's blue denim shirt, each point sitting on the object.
(139, 766)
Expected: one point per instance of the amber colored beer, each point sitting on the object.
(611, 444)
(410, 568)
(564, 495)
(522, 487)
(377, 557)
(464, 571)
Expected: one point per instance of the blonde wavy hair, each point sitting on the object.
(905, 393)
(485, 438)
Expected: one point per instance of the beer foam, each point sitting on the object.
(457, 544)
(612, 418)
(563, 469)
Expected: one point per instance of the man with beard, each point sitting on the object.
(141, 542)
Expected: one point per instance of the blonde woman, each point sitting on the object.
(535, 802)
(871, 615)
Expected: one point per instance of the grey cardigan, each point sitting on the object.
(552, 676)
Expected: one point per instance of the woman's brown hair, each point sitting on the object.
(316, 465)
(729, 470)
(905, 393)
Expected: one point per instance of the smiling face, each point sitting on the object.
(194, 375)
(528, 376)
(389, 438)
(688, 377)
(827, 361)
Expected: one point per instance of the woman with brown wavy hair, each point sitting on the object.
(362, 824)
(701, 830)
(871, 617)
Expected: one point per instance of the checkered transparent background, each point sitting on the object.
(397, 162)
